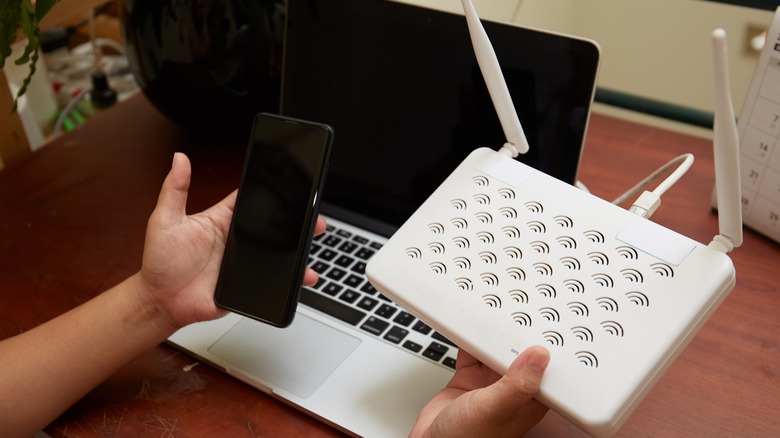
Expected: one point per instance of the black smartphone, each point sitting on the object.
(276, 210)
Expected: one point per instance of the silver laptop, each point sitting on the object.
(395, 81)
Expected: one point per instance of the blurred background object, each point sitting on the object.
(209, 65)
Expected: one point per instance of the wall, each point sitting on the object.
(658, 49)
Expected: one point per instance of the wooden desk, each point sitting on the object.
(72, 221)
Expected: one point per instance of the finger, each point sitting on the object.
(310, 277)
(320, 227)
(465, 359)
(527, 370)
(518, 387)
(222, 212)
(172, 202)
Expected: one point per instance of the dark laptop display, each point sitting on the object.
(402, 89)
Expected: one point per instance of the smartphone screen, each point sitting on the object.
(273, 221)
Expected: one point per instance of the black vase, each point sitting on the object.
(209, 65)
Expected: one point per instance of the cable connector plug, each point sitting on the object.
(646, 204)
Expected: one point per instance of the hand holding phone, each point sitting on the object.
(274, 218)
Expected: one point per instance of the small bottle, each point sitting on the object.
(102, 95)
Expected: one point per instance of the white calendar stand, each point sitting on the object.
(759, 133)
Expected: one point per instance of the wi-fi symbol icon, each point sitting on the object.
(464, 284)
(413, 253)
(613, 328)
(550, 314)
(516, 273)
(574, 286)
(587, 358)
(436, 248)
(513, 252)
(492, 301)
(543, 269)
(534, 207)
(462, 263)
(546, 291)
(582, 333)
(537, 227)
(522, 318)
(662, 269)
(481, 181)
(506, 193)
(485, 237)
(489, 279)
(488, 257)
(578, 308)
(607, 304)
(519, 296)
(638, 298)
(603, 280)
(438, 268)
(553, 338)
(461, 242)
(632, 275)
(458, 204)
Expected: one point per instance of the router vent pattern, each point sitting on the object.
(564, 281)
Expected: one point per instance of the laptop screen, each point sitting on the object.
(401, 87)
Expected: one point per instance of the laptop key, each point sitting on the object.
(320, 267)
(344, 261)
(364, 253)
(331, 241)
(375, 325)
(450, 362)
(336, 274)
(386, 311)
(348, 247)
(359, 267)
(328, 254)
(350, 296)
(413, 346)
(404, 318)
(368, 288)
(332, 288)
(396, 334)
(422, 327)
(439, 337)
(435, 351)
(367, 303)
(353, 280)
(331, 307)
(376, 245)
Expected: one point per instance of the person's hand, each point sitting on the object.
(182, 254)
(479, 402)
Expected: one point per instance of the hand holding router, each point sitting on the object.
(502, 256)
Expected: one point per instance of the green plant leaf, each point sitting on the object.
(42, 7)
(16, 14)
(10, 15)
(30, 28)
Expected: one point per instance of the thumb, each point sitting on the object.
(172, 202)
(510, 400)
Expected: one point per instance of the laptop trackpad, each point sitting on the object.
(297, 358)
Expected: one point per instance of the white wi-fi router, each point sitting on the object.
(502, 257)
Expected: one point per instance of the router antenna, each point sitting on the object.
(499, 93)
(726, 151)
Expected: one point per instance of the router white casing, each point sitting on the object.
(502, 257)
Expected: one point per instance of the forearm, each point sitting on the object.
(47, 369)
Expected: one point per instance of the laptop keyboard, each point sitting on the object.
(343, 292)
